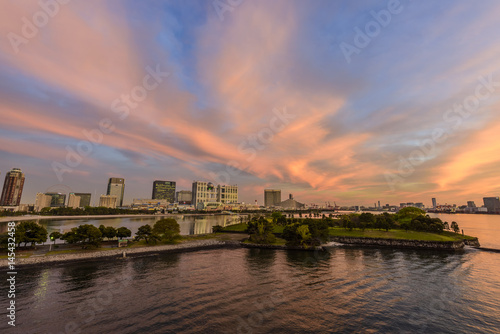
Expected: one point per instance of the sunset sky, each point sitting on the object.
(316, 98)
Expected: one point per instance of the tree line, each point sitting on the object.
(88, 236)
(307, 232)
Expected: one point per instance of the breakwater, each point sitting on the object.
(212, 244)
(403, 243)
(118, 252)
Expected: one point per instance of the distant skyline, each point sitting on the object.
(331, 101)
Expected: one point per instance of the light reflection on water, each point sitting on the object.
(267, 291)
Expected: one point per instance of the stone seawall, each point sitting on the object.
(212, 244)
(399, 243)
(472, 242)
(117, 252)
(264, 246)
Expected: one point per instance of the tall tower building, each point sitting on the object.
(227, 194)
(434, 203)
(492, 203)
(84, 199)
(184, 197)
(57, 200)
(74, 201)
(108, 201)
(164, 190)
(12, 188)
(272, 197)
(42, 201)
(116, 187)
(203, 192)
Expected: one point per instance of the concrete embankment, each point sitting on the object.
(212, 244)
(118, 252)
(399, 243)
(247, 245)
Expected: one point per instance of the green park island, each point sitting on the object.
(409, 228)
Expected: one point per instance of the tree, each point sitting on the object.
(454, 227)
(261, 231)
(54, 236)
(309, 233)
(144, 232)
(123, 232)
(109, 232)
(168, 229)
(30, 232)
(410, 212)
(275, 216)
(367, 219)
(70, 237)
(305, 235)
(87, 235)
(217, 229)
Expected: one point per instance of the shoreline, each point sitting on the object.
(117, 253)
(214, 243)
(142, 215)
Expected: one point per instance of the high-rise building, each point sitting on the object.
(116, 187)
(434, 203)
(49, 200)
(42, 201)
(272, 197)
(492, 203)
(227, 194)
(12, 188)
(74, 201)
(108, 201)
(57, 200)
(164, 190)
(84, 199)
(203, 192)
(471, 204)
(379, 204)
(184, 197)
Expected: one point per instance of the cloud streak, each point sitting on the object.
(351, 121)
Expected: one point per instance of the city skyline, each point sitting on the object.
(116, 181)
(194, 98)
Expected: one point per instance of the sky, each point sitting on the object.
(332, 101)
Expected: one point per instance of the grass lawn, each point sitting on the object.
(397, 234)
(77, 250)
(20, 255)
(242, 227)
(279, 242)
(197, 237)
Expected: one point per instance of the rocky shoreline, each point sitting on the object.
(213, 244)
(403, 243)
(117, 253)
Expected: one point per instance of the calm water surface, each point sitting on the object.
(189, 224)
(347, 289)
